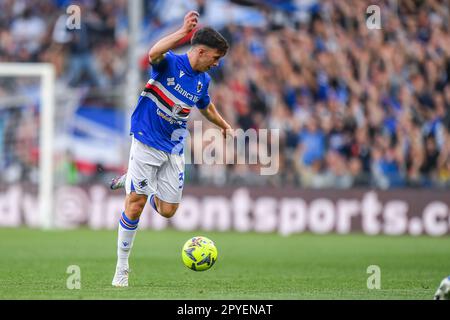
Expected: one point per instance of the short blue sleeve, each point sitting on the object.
(161, 66)
(205, 100)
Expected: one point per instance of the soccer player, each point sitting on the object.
(178, 83)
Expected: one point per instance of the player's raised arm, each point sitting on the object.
(167, 43)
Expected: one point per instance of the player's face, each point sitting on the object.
(208, 58)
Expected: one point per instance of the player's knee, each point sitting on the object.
(167, 210)
(134, 207)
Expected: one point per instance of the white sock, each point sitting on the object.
(126, 233)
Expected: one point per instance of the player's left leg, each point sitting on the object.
(170, 186)
(166, 209)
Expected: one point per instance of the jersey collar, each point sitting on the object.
(188, 66)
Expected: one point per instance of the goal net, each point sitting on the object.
(56, 143)
(27, 104)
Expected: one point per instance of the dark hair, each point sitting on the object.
(210, 38)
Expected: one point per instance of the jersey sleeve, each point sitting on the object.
(162, 65)
(205, 100)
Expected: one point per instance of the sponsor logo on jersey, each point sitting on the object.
(167, 118)
(186, 94)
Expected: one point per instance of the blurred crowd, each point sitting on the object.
(355, 107)
(90, 53)
(89, 61)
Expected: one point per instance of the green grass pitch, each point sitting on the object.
(33, 265)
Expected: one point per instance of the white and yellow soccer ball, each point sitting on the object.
(443, 292)
(199, 253)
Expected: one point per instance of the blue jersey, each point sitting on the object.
(164, 106)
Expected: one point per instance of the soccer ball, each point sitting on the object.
(199, 253)
(443, 292)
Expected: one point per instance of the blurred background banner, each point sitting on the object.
(362, 113)
(264, 209)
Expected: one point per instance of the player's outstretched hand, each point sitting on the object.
(190, 21)
(229, 132)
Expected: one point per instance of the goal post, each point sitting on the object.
(46, 73)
